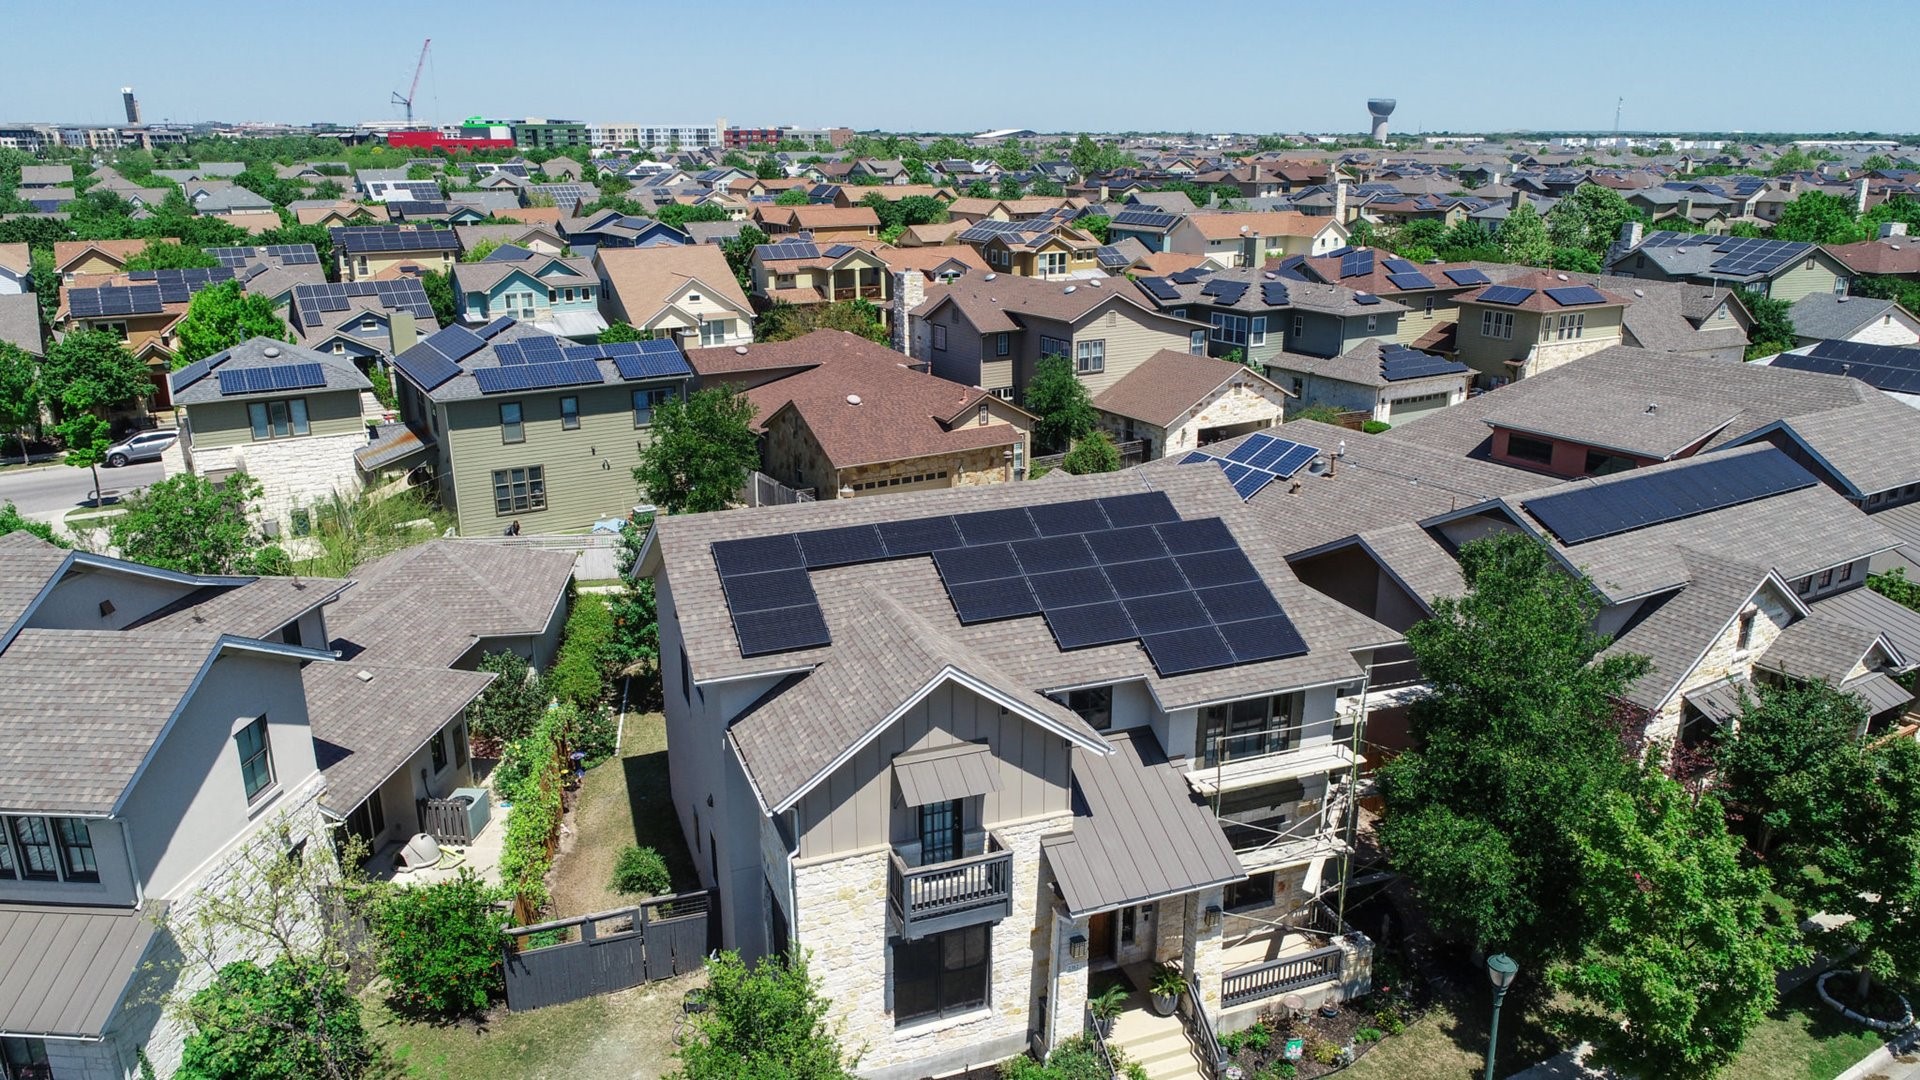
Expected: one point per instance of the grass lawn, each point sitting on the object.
(625, 800)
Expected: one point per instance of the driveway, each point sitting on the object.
(48, 491)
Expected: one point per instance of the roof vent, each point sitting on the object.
(989, 277)
(1093, 283)
(1068, 290)
(741, 349)
(1652, 407)
(1562, 277)
(1842, 298)
(270, 351)
(363, 675)
(1640, 292)
(853, 399)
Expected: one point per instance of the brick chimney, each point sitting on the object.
(1340, 201)
(909, 290)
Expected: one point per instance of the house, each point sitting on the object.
(437, 212)
(20, 323)
(1178, 401)
(1387, 381)
(1249, 239)
(1892, 254)
(835, 776)
(16, 269)
(848, 197)
(286, 415)
(360, 254)
(612, 229)
(933, 263)
(843, 417)
(366, 322)
(539, 239)
(552, 294)
(1533, 322)
(1892, 369)
(47, 199)
(46, 176)
(226, 198)
(1256, 315)
(73, 258)
(1781, 269)
(1865, 319)
(828, 224)
(562, 168)
(1046, 247)
(142, 309)
(713, 232)
(522, 426)
(389, 185)
(272, 271)
(333, 213)
(683, 292)
(806, 274)
(989, 330)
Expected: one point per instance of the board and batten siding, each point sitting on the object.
(855, 808)
(225, 423)
(588, 471)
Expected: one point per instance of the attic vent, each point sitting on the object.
(693, 298)
(270, 351)
(853, 399)
(1069, 289)
(363, 675)
(1652, 407)
(741, 349)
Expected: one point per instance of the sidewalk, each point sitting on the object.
(1897, 1060)
(1566, 1065)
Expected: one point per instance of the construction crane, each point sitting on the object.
(413, 89)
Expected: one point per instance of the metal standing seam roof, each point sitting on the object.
(945, 773)
(1723, 701)
(1139, 832)
(67, 968)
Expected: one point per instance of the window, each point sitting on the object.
(1002, 342)
(983, 415)
(1090, 357)
(1129, 926)
(940, 832)
(437, 746)
(512, 430)
(569, 414)
(1803, 586)
(1846, 572)
(1004, 393)
(8, 870)
(1826, 577)
(567, 294)
(1053, 262)
(1255, 892)
(1600, 463)
(1249, 728)
(1538, 451)
(1229, 329)
(940, 337)
(1257, 335)
(645, 401)
(76, 849)
(519, 490)
(553, 295)
(278, 419)
(1573, 325)
(1252, 818)
(290, 633)
(941, 974)
(24, 1059)
(1496, 324)
(1429, 307)
(1053, 346)
(1299, 325)
(1743, 634)
(35, 842)
(360, 265)
(256, 764)
(367, 323)
(1094, 705)
(715, 331)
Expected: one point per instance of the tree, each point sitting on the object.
(511, 704)
(1590, 218)
(1772, 325)
(1362, 233)
(91, 369)
(1787, 736)
(1523, 236)
(222, 316)
(699, 452)
(169, 255)
(12, 521)
(792, 197)
(1059, 401)
(765, 1021)
(1515, 750)
(979, 189)
(1683, 945)
(1896, 586)
(738, 249)
(1816, 217)
(857, 316)
(1093, 454)
(634, 646)
(1048, 187)
(617, 332)
(1877, 163)
(86, 438)
(1009, 187)
(439, 945)
(769, 168)
(190, 524)
(439, 290)
(479, 251)
(20, 395)
(261, 1023)
(678, 214)
(1097, 226)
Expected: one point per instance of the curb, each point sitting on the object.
(1881, 1061)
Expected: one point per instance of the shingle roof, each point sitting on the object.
(198, 384)
(1168, 384)
(645, 279)
(1873, 446)
(1226, 226)
(1864, 607)
(16, 259)
(20, 322)
(1681, 626)
(1638, 420)
(990, 302)
(1822, 647)
(1887, 255)
(27, 566)
(1824, 315)
(360, 737)
(428, 604)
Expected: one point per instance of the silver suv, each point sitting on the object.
(141, 446)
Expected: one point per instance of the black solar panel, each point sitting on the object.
(517, 377)
(1181, 651)
(1200, 534)
(371, 239)
(1169, 611)
(1575, 295)
(995, 526)
(1702, 485)
(1056, 519)
(1270, 638)
(1356, 263)
(1893, 368)
(1505, 294)
(1050, 553)
(1399, 266)
(985, 601)
(1145, 508)
(983, 563)
(756, 554)
(1160, 287)
(1147, 577)
(1410, 279)
(1274, 293)
(919, 536)
(781, 630)
(1399, 363)
(1190, 275)
(259, 380)
(1071, 588)
(846, 546)
(1468, 276)
(1126, 545)
(1206, 569)
(1229, 292)
(767, 590)
(1232, 603)
(1090, 624)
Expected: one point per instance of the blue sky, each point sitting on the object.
(979, 64)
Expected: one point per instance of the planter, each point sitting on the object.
(1904, 1021)
(1164, 1004)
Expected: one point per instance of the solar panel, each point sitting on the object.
(1891, 368)
(509, 353)
(1410, 279)
(1147, 577)
(1504, 294)
(767, 590)
(986, 601)
(1274, 293)
(1200, 534)
(1356, 263)
(1206, 569)
(653, 363)
(536, 376)
(919, 536)
(1071, 588)
(1126, 545)
(1181, 651)
(259, 380)
(781, 630)
(1160, 287)
(846, 546)
(1051, 553)
(1090, 624)
(493, 329)
(1365, 298)
(982, 563)
(1576, 295)
(1399, 266)
(1231, 603)
(1229, 292)
(1249, 485)
(1166, 612)
(456, 343)
(1641, 500)
(1079, 516)
(1270, 638)
(756, 554)
(1190, 275)
(1145, 508)
(994, 526)
(1398, 363)
(1468, 276)
(426, 367)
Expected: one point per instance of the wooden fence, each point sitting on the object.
(607, 951)
(444, 819)
(1131, 453)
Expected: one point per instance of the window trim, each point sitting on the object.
(1090, 357)
(23, 846)
(643, 414)
(534, 480)
(940, 338)
(262, 757)
(945, 1004)
(514, 431)
(570, 420)
(1002, 345)
(293, 416)
(75, 838)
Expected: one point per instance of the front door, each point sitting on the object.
(1100, 937)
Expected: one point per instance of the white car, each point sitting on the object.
(141, 446)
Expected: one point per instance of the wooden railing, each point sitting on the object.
(1206, 1044)
(864, 292)
(926, 900)
(1276, 977)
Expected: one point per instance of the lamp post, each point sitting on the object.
(1501, 968)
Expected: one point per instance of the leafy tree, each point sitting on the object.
(91, 369)
(1009, 187)
(1362, 233)
(1787, 736)
(1059, 401)
(1048, 187)
(1772, 325)
(439, 945)
(769, 168)
(739, 252)
(222, 316)
(1682, 942)
(1515, 750)
(169, 255)
(979, 189)
(86, 438)
(856, 316)
(439, 290)
(12, 521)
(511, 704)
(678, 214)
(20, 394)
(617, 332)
(699, 452)
(734, 159)
(46, 280)
(1523, 237)
(479, 251)
(293, 1019)
(1876, 163)
(1896, 586)
(1098, 226)
(765, 1021)
(792, 197)
(190, 524)
(1578, 259)
(1095, 453)
(1590, 219)
(1818, 218)
(634, 646)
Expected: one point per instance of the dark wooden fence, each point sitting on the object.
(444, 819)
(1276, 977)
(607, 951)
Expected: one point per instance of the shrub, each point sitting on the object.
(440, 945)
(579, 676)
(641, 871)
(1389, 1021)
(537, 775)
(510, 705)
(1094, 453)
(596, 737)
(1326, 1053)
(1280, 1070)
(1073, 1059)
(290, 1020)
(1325, 414)
(1367, 1035)
(1374, 427)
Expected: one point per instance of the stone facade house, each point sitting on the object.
(1526, 325)
(1177, 401)
(931, 781)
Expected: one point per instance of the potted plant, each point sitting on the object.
(1168, 984)
(1105, 1006)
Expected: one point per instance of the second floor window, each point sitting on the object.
(512, 428)
(940, 337)
(1053, 262)
(1249, 728)
(1496, 324)
(278, 419)
(715, 331)
(34, 841)
(569, 413)
(76, 849)
(941, 832)
(645, 401)
(1090, 357)
(438, 748)
(1053, 346)
(1197, 343)
(256, 760)
(47, 849)
(1573, 325)
(1229, 329)
(1002, 342)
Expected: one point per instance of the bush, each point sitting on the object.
(291, 1020)
(1325, 414)
(640, 871)
(536, 772)
(1073, 1059)
(1374, 427)
(596, 737)
(1326, 1053)
(579, 675)
(440, 945)
(510, 705)
(1095, 453)
(1367, 1035)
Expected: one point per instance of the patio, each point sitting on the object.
(482, 857)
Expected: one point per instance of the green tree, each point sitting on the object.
(768, 168)
(1062, 409)
(1787, 736)
(1590, 218)
(1523, 237)
(1095, 453)
(1816, 217)
(439, 945)
(1009, 187)
(1577, 259)
(510, 705)
(1876, 163)
(792, 197)
(1682, 943)
(12, 521)
(86, 438)
(979, 189)
(479, 251)
(90, 370)
(1772, 330)
(46, 280)
(294, 1019)
(678, 214)
(1048, 187)
(190, 524)
(20, 395)
(617, 332)
(1515, 751)
(439, 290)
(1896, 586)
(856, 316)
(633, 649)
(169, 255)
(699, 452)
(1362, 233)
(1098, 226)
(222, 316)
(765, 1021)
(739, 252)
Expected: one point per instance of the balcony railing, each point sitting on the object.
(1276, 977)
(944, 896)
(864, 292)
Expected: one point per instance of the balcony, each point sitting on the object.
(861, 292)
(1230, 771)
(975, 889)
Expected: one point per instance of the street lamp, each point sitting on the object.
(1501, 968)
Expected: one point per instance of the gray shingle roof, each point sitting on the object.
(27, 566)
(429, 604)
(199, 383)
(1824, 316)
(1681, 626)
(20, 322)
(365, 729)
(1819, 648)
(1636, 419)
(1873, 446)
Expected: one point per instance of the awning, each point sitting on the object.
(572, 324)
(945, 773)
(1720, 701)
(1879, 692)
(67, 968)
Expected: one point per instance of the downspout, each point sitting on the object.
(133, 870)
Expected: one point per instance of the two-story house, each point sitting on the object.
(539, 239)
(559, 296)
(1264, 319)
(142, 309)
(523, 427)
(16, 269)
(806, 274)
(1249, 239)
(1780, 269)
(1177, 401)
(1525, 325)
(1046, 247)
(367, 322)
(612, 229)
(76, 258)
(828, 224)
(684, 292)
(362, 253)
(992, 741)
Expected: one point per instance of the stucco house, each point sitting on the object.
(807, 274)
(1178, 401)
(1248, 239)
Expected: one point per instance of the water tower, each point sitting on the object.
(1381, 108)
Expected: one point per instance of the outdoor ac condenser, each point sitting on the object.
(479, 804)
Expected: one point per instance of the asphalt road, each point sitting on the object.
(47, 492)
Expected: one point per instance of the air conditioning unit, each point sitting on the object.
(479, 806)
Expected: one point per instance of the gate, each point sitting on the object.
(607, 951)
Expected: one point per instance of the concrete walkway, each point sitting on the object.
(1898, 1060)
(1566, 1065)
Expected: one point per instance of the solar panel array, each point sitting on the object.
(1505, 294)
(537, 376)
(1141, 218)
(151, 292)
(1576, 295)
(1356, 263)
(1366, 298)
(1274, 293)
(787, 249)
(260, 380)
(1100, 571)
(1468, 276)
(1398, 266)
(565, 196)
(1702, 485)
(435, 360)
(1410, 279)
(1893, 368)
(1259, 460)
(1160, 287)
(1399, 363)
(284, 254)
(1736, 256)
(1227, 292)
(370, 239)
(634, 359)
(172, 282)
(1111, 256)
(1190, 275)
(311, 302)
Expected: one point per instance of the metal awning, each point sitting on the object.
(945, 773)
(1720, 701)
(1879, 692)
(67, 968)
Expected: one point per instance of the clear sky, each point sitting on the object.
(1812, 65)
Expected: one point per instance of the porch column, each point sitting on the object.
(1201, 955)
(1066, 986)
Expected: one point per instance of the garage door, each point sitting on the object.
(1409, 407)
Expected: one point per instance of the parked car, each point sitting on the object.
(141, 446)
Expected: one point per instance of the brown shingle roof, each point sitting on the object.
(1890, 255)
(67, 252)
(1169, 383)
(645, 279)
(989, 305)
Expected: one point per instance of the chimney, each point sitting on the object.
(1513, 200)
(1631, 233)
(402, 331)
(1340, 201)
(1892, 228)
(1860, 196)
(1686, 207)
(909, 290)
(1497, 177)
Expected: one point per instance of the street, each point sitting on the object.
(48, 492)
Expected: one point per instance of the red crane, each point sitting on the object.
(411, 90)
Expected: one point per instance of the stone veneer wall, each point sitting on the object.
(292, 472)
(1722, 659)
(842, 926)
